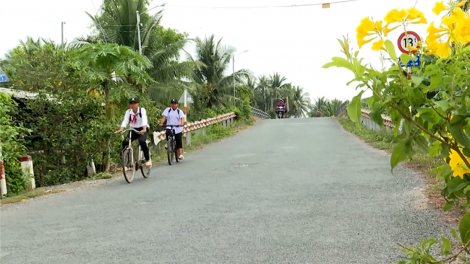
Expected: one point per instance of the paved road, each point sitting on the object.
(283, 191)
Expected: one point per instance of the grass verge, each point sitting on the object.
(27, 195)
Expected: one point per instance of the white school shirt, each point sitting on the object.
(173, 118)
(139, 121)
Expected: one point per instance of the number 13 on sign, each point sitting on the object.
(408, 38)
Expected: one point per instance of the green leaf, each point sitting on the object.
(454, 234)
(444, 105)
(400, 152)
(456, 130)
(391, 49)
(417, 80)
(404, 58)
(466, 152)
(422, 142)
(354, 108)
(456, 184)
(435, 148)
(436, 75)
(376, 113)
(340, 63)
(446, 246)
(448, 206)
(464, 227)
(429, 115)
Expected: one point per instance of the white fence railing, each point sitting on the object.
(198, 127)
(368, 123)
(259, 113)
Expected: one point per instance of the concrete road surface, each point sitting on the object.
(283, 191)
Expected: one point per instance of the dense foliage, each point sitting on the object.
(432, 100)
(12, 145)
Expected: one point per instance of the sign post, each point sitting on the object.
(185, 99)
(412, 39)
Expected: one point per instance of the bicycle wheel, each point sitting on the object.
(175, 151)
(128, 161)
(143, 168)
(168, 151)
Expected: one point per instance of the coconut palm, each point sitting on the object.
(332, 107)
(212, 86)
(318, 106)
(117, 24)
(277, 84)
(264, 87)
(299, 101)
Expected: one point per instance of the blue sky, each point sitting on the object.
(294, 41)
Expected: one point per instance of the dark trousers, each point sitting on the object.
(178, 138)
(142, 142)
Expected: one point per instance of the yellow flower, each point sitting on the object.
(439, 7)
(457, 164)
(411, 15)
(368, 28)
(409, 47)
(395, 16)
(415, 16)
(378, 45)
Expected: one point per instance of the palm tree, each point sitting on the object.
(317, 109)
(264, 83)
(212, 86)
(299, 101)
(118, 20)
(277, 83)
(117, 24)
(332, 107)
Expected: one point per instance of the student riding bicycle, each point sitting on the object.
(137, 117)
(174, 117)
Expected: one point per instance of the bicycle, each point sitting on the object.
(171, 150)
(128, 160)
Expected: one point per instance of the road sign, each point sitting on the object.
(411, 63)
(408, 38)
(189, 99)
(3, 76)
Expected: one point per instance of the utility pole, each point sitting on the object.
(138, 31)
(137, 13)
(233, 74)
(62, 32)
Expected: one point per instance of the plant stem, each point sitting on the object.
(420, 126)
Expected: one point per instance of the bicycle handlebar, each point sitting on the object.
(129, 129)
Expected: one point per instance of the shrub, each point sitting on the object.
(12, 145)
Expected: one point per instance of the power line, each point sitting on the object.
(253, 7)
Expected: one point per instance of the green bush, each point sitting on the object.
(12, 145)
(73, 129)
